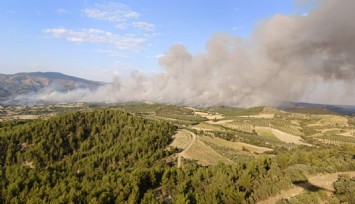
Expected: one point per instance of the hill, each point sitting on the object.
(162, 153)
(313, 108)
(83, 157)
(12, 85)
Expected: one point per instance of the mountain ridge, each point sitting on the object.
(316, 108)
(12, 85)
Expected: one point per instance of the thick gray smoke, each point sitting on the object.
(287, 58)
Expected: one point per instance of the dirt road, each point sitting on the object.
(320, 181)
(191, 143)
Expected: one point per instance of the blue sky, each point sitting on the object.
(96, 39)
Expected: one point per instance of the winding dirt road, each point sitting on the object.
(191, 143)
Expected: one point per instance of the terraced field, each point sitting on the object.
(182, 139)
(209, 150)
(334, 121)
(337, 139)
(237, 137)
(286, 126)
(243, 126)
(204, 154)
(220, 122)
(237, 146)
(210, 116)
(206, 127)
(196, 149)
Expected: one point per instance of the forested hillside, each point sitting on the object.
(101, 156)
(112, 156)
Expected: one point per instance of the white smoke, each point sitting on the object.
(287, 58)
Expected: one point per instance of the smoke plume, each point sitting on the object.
(286, 58)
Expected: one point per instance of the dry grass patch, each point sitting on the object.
(27, 117)
(288, 138)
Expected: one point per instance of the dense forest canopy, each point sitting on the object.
(104, 154)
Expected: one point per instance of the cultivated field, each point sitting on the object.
(207, 127)
(237, 146)
(210, 116)
(182, 139)
(262, 115)
(288, 138)
(266, 132)
(204, 154)
(243, 126)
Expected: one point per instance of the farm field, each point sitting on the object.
(288, 138)
(182, 139)
(207, 127)
(209, 116)
(266, 132)
(197, 150)
(238, 146)
(232, 136)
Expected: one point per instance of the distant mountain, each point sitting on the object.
(12, 85)
(313, 108)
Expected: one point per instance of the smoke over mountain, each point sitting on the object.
(287, 58)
